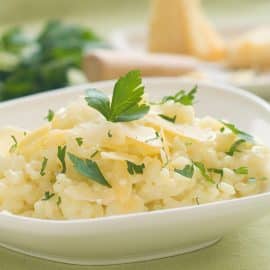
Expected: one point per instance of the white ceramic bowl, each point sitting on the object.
(140, 236)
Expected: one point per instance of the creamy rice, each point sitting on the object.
(160, 146)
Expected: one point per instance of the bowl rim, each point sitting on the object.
(222, 87)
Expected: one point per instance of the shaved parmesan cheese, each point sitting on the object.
(191, 132)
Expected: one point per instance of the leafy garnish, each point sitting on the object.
(241, 170)
(61, 154)
(50, 115)
(217, 171)
(59, 200)
(170, 119)
(182, 97)
(109, 133)
(222, 129)
(89, 169)
(234, 147)
(79, 140)
(94, 154)
(126, 100)
(187, 171)
(47, 196)
(203, 172)
(134, 168)
(154, 138)
(39, 62)
(43, 166)
(14, 145)
(241, 134)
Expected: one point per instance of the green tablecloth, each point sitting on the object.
(245, 249)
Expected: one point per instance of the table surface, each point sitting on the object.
(245, 249)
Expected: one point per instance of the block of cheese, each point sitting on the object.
(180, 26)
(251, 50)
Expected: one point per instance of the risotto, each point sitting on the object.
(100, 157)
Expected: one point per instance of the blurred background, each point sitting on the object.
(36, 55)
(105, 15)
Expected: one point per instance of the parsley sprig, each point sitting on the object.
(126, 104)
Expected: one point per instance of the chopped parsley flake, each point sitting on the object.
(170, 119)
(203, 171)
(187, 171)
(50, 115)
(217, 171)
(14, 145)
(234, 147)
(47, 196)
(134, 168)
(43, 166)
(59, 200)
(183, 97)
(79, 140)
(240, 134)
(94, 154)
(61, 154)
(241, 170)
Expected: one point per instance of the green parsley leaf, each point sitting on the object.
(203, 172)
(109, 133)
(135, 169)
(14, 145)
(43, 166)
(59, 200)
(125, 105)
(222, 129)
(217, 171)
(241, 170)
(47, 196)
(188, 171)
(234, 147)
(79, 141)
(170, 119)
(50, 115)
(94, 154)
(182, 97)
(241, 134)
(89, 169)
(61, 154)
